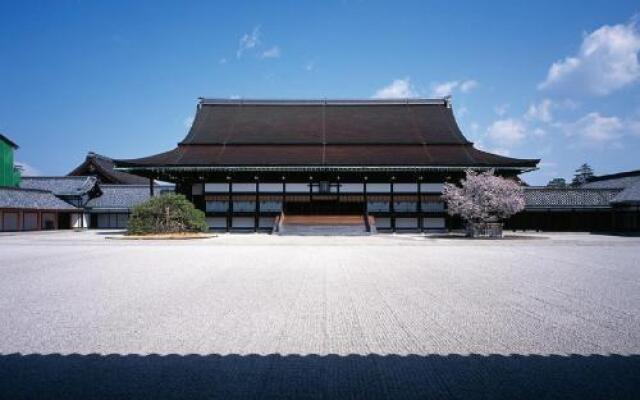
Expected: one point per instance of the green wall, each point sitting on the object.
(9, 176)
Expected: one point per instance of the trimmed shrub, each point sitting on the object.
(168, 213)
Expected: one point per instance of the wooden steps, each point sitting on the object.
(323, 225)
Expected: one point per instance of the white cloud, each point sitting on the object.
(606, 61)
(540, 111)
(594, 128)
(634, 127)
(539, 132)
(187, 122)
(501, 109)
(234, 97)
(462, 111)
(310, 66)
(506, 132)
(26, 169)
(273, 52)
(222, 61)
(444, 89)
(447, 88)
(474, 127)
(249, 41)
(467, 86)
(501, 151)
(399, 88)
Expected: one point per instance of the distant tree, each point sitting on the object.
(557, 183)
(483, 198)
(167, 213)
(582, 175)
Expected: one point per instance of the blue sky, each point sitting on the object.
(558, 80)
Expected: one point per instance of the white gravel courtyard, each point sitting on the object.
(399, 315)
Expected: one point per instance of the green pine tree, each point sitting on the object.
(582, 175)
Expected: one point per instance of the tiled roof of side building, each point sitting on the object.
(619, 180)
(630, 195)
(567, 198)
(103, 167)
(17, 198)
(60, 185)
(123, 197)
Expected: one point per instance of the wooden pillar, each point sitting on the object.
(392, 208)
(229, 207)
(284, 195)
(365, 198)
(420, 216)
(151, 187)
(311, 210)
(256, 210)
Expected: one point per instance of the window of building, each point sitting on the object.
(378, 206)
(217, 206)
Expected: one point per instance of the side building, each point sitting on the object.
(607, 203)
(250, 163)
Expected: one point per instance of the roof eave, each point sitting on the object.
(321, 167)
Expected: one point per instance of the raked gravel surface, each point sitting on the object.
(386, 316)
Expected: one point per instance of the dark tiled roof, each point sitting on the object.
(347, 155)
(103, 168)
(8, 141)
(123, 197)
(553, 198)
(61, 185)
(325, 133)
(31, 199)
(630, 195)
(324, 122)
(597, 181)
(628, 181)
(618, 182)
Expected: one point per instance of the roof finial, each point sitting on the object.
(447, 101)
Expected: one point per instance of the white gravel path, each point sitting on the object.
(258, 296)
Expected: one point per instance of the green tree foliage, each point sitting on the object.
(168, 213)
(582, 175)
(557, 183)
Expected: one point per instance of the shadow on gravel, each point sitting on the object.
(505, 237)
(54, 376)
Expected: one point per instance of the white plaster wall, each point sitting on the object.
(297, 187)
(431, 187)
(243, 187)
(352, 188)
(378, 187)
(216, 187)
(271, 187)
(405, 188)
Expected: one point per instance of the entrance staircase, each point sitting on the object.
(324, 225)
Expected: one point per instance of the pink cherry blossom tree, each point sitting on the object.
(483, 199)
